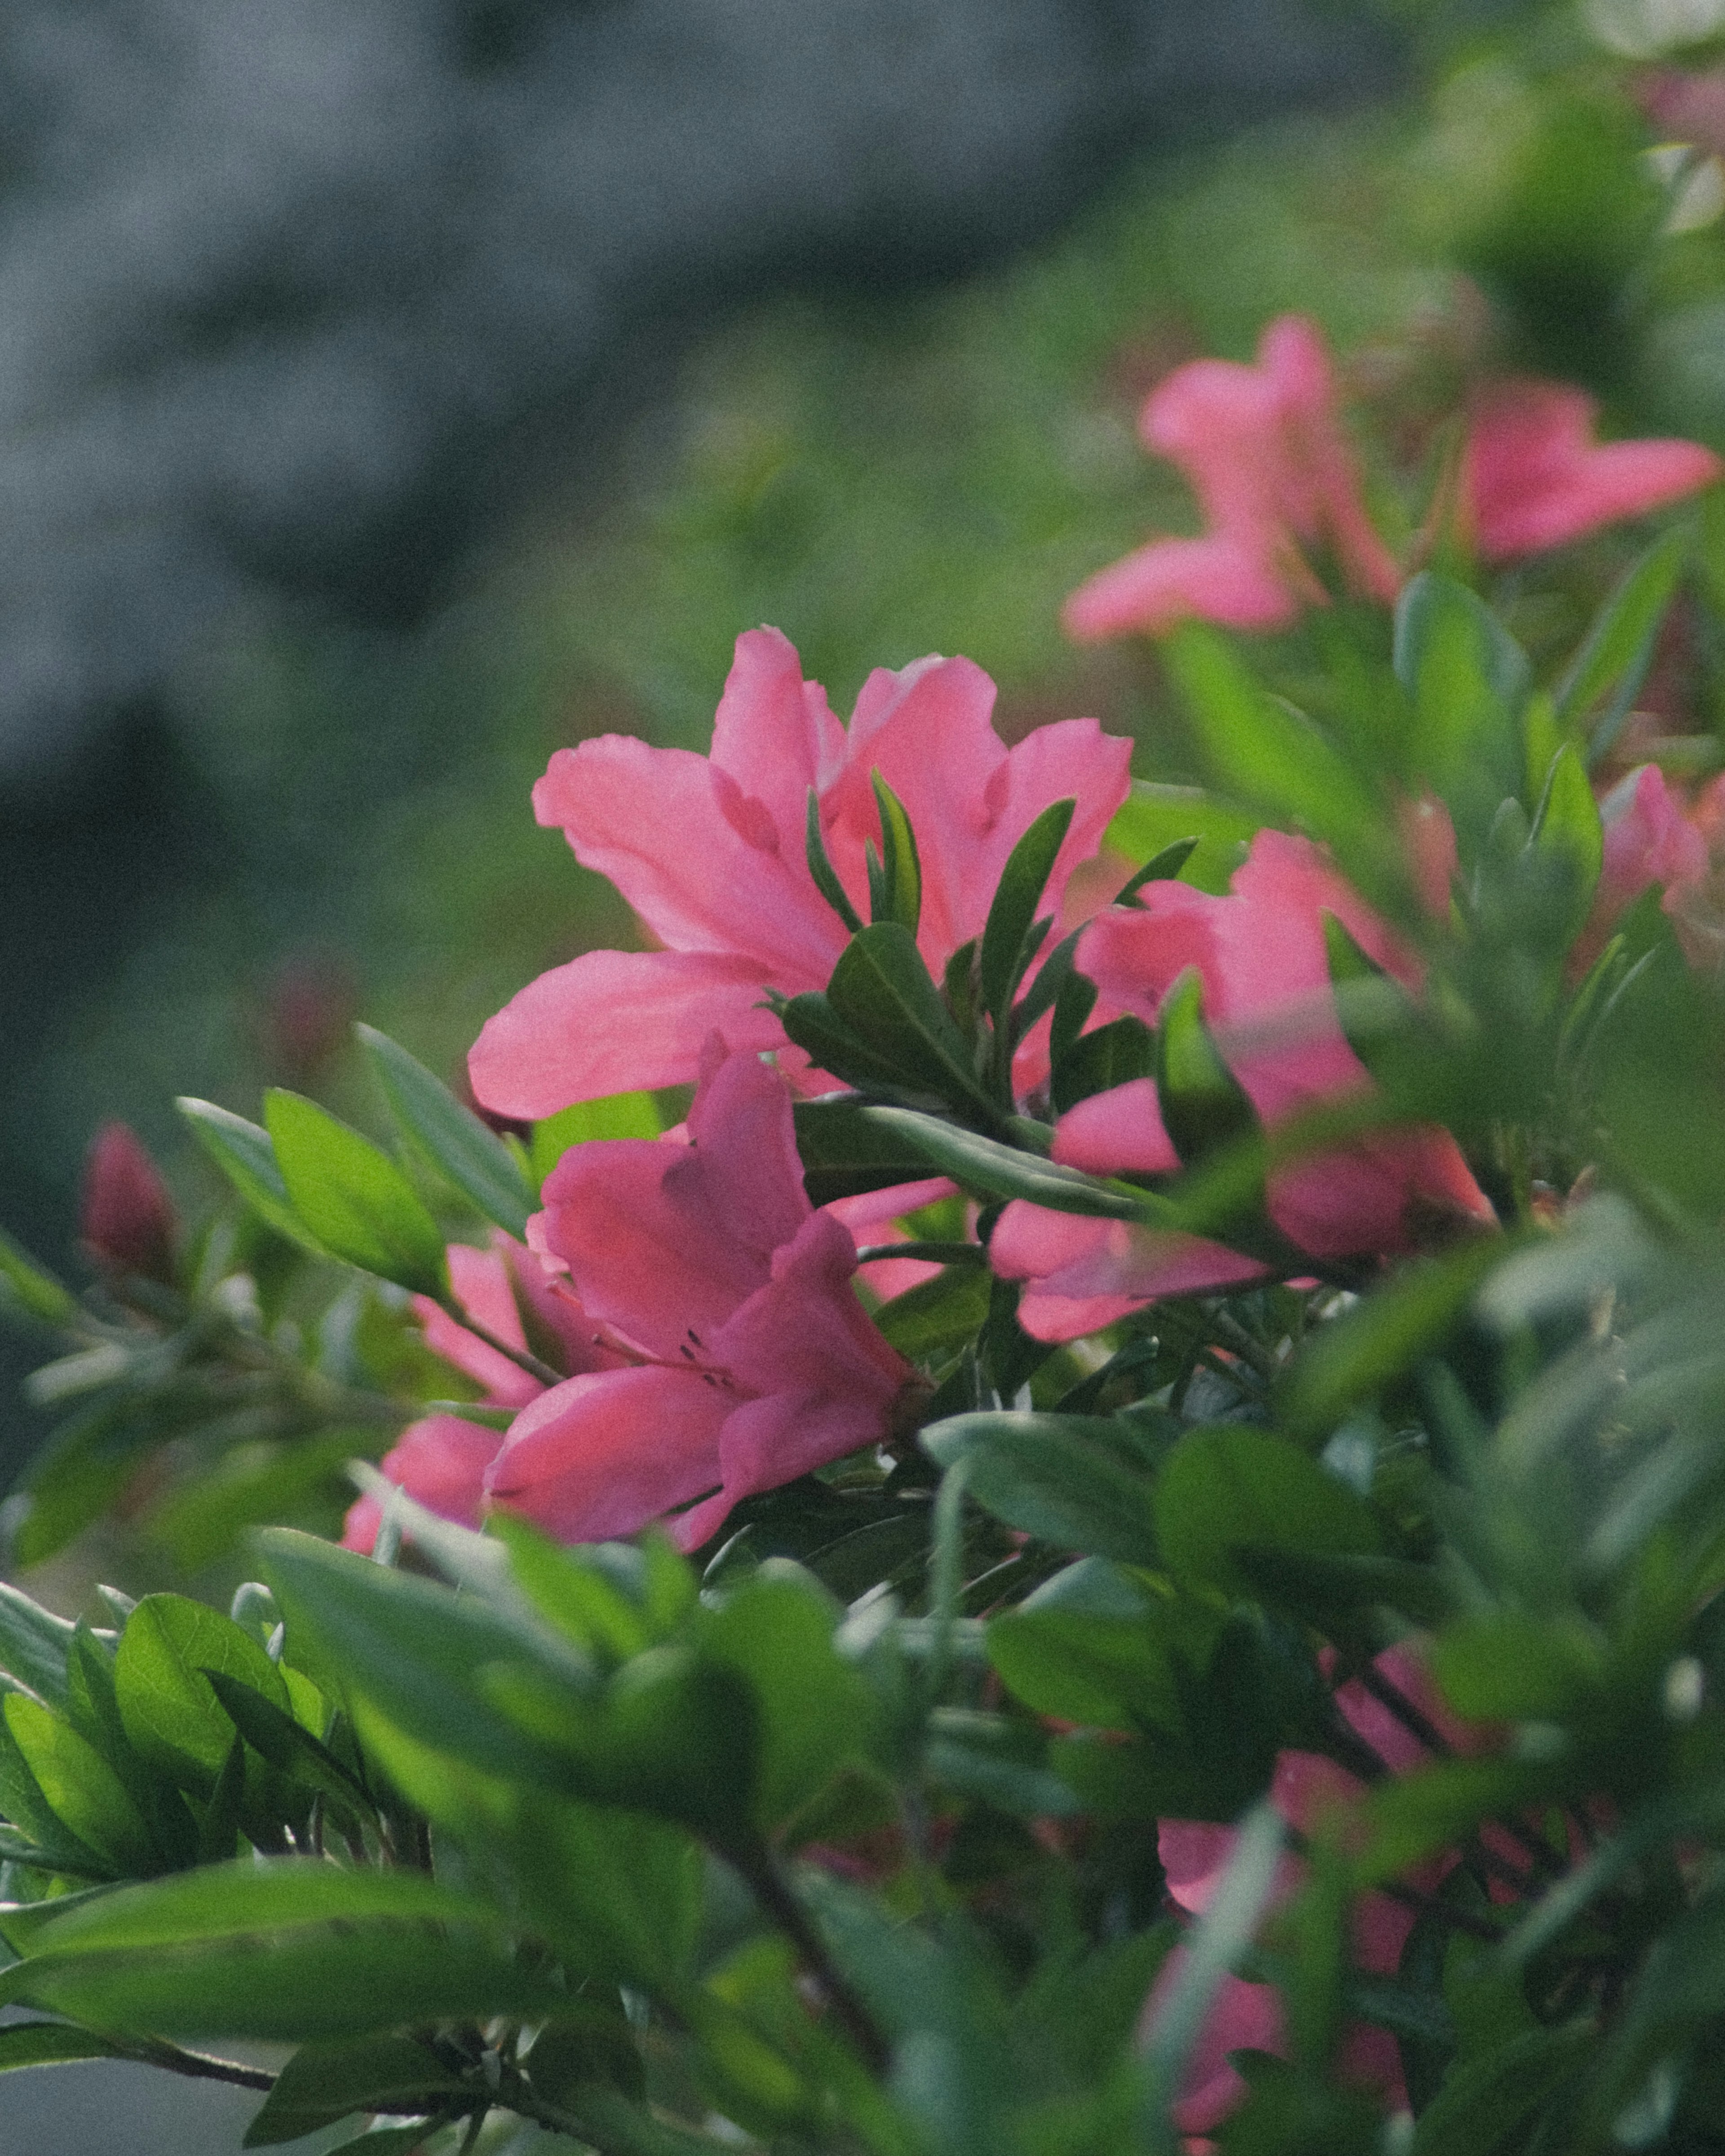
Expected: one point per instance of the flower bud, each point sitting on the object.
(125, 1215)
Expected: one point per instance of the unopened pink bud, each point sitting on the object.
(126, 1217)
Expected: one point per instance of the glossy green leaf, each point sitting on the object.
(1108, 1055)
(1233, 1489)
(937, 1316)
(820, 867)
(167, 1705)
(896, 873)
(246, 1156)
(1061, 1478)
(1022, 882)
(881, 991)
(324, 2082)
(1162, 867)
(34, 1644)
(23, 1803)
(352, 1197)
(290, 1948)
(617, 1115)
(1203, 1106)
(79, 1787)
(448, 1136)
(989, 1169)
(51, 2044)
(280, 1738)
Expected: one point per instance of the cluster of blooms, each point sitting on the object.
(706, 1313)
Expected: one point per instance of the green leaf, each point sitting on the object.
(167, 1705)
(324, 2082)
(449, 1138)
(989, 1169)
(1160, 868)
(1620, 642)
(1061, 1478)
(1109, 1056)
(1100, 1673)
(79, 1787)
(1468, 679)
(895, 874)
(51, 2044)
(280, 1738)
(1154, 817)
(34, 1644)
(820, 867)
(1385, 1333)
(1258, 749)
(1486, 2103)
(1567, 829)
(1234, 1488)
(818, 1712)
(881, 992)
(936, 1316)
(1027, 867)
(33, 1288)
(617, 1115)
(23, 1803)
(352, 1197)
(1203, 1106)
(247, 1157)
(293, 1947)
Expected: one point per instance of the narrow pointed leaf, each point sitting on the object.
(1203, 1105)
(246, 1156)
(1022, 882)
(899, 894)
(447, 1137)
(820, 867)
(989, 1169)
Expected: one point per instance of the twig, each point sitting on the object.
(761, 1874)
(519, 1356)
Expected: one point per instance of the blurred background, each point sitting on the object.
(393, 394)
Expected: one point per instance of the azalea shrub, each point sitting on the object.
(1049, 1481)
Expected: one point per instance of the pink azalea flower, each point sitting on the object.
(709, 852)
(1307, 1789)
(1534, 477)
(126, 1216)
(1268, 1003)
(750, 1360)
(1263, 450)
(440, 1461)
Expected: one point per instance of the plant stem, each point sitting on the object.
(519, 1356)
(761, 1874)
(199, 2065)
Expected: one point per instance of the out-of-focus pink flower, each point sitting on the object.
(1534, 477)
(1263, 450)
(1306, 1789)
(441, 1460)
(752, 1360)
(126, 1216)
(1687, 106)
(709, 852)
(1651, 836)
(1269, 1004)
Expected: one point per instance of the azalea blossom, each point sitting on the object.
(730, 1300)
(1264, 451)
(1307, 1789)
(441, 1460)
(709, 850)
(1260, 955)
(1534, 477)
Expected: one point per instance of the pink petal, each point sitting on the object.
(743, 1149)
(768, 1442)
(1085, 1274)
(775, 734)
(1534, 478)
(1385, 1193)
(440, 1461)
(702, 862)
(1118, 1131)
(805, 1332)
(602, 1454)
(614, 1022)
(1221, 577)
